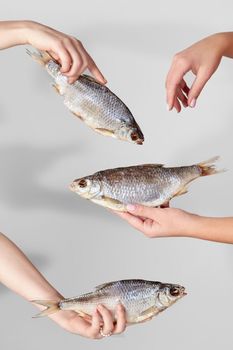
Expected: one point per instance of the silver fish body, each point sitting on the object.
(93, 103)
(150, 184)
(141, 299)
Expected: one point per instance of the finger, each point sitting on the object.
(95, 71)
(184, 87)
(107, 319)
(121, 319)
(78, 64)
(201, 79)
(182, 97)
(174, 78)
(134, 221)
(177, 105)
(90, 63)
(64, 58)
(95, 325)
(53, 55)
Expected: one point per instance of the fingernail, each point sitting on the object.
(168, 107)
(192, 103)
(131, 207)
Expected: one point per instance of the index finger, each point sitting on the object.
(95, 71)
(174, 78)
(134, 221)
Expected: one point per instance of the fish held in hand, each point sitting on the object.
(151, 185)
(141, 299)
(93, 103)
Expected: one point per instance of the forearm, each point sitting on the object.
(213, 229)
(13, 33)
(20, 275)
(225, 43)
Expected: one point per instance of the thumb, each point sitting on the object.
(140, 210)
(202, 77)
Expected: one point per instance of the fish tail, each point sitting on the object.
(208, 167)
(41, 57)
(52, 306)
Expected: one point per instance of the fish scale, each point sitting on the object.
(141, 299)
(93, 103)
(149, 184)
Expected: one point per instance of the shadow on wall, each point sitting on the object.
(22, 166)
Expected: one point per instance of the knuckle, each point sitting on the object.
(79, 43)
(180, 59)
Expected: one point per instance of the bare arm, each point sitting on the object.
(69, 51)
(20, 275)
(171, 222)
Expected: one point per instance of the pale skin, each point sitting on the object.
(172, 222)
(66, 49)
(16, 271)
(21, 276)
(202, 58)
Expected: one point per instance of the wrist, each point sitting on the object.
(224, 41)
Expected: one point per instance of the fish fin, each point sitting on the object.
(52, 306)
(90, 78)
(77, 115)
(41, 57)
(56, 88)
(105, 132)
(182, 191)
(150, 165)
(153, 165)
(110, 203)
(103, 285)
(208, 167)
(146, 315)
(114, 204)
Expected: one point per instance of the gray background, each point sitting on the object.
(77, 244)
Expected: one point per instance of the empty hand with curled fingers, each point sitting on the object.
(202, 59)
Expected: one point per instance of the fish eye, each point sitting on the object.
(174, 291)
(134, 136)
(82, 183)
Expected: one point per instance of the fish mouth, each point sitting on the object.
(139, 142)
(72, 187)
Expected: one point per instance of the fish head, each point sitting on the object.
(130, 133)
(87, 187)
(169, 293)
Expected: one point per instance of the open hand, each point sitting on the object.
(158, 222)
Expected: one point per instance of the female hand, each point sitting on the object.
(202, 59)
(159, 222)
(101, 324)
(67, 50)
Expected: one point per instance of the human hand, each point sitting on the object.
(159, 222)
(67, 50)
(202, 59)
(90, 328)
